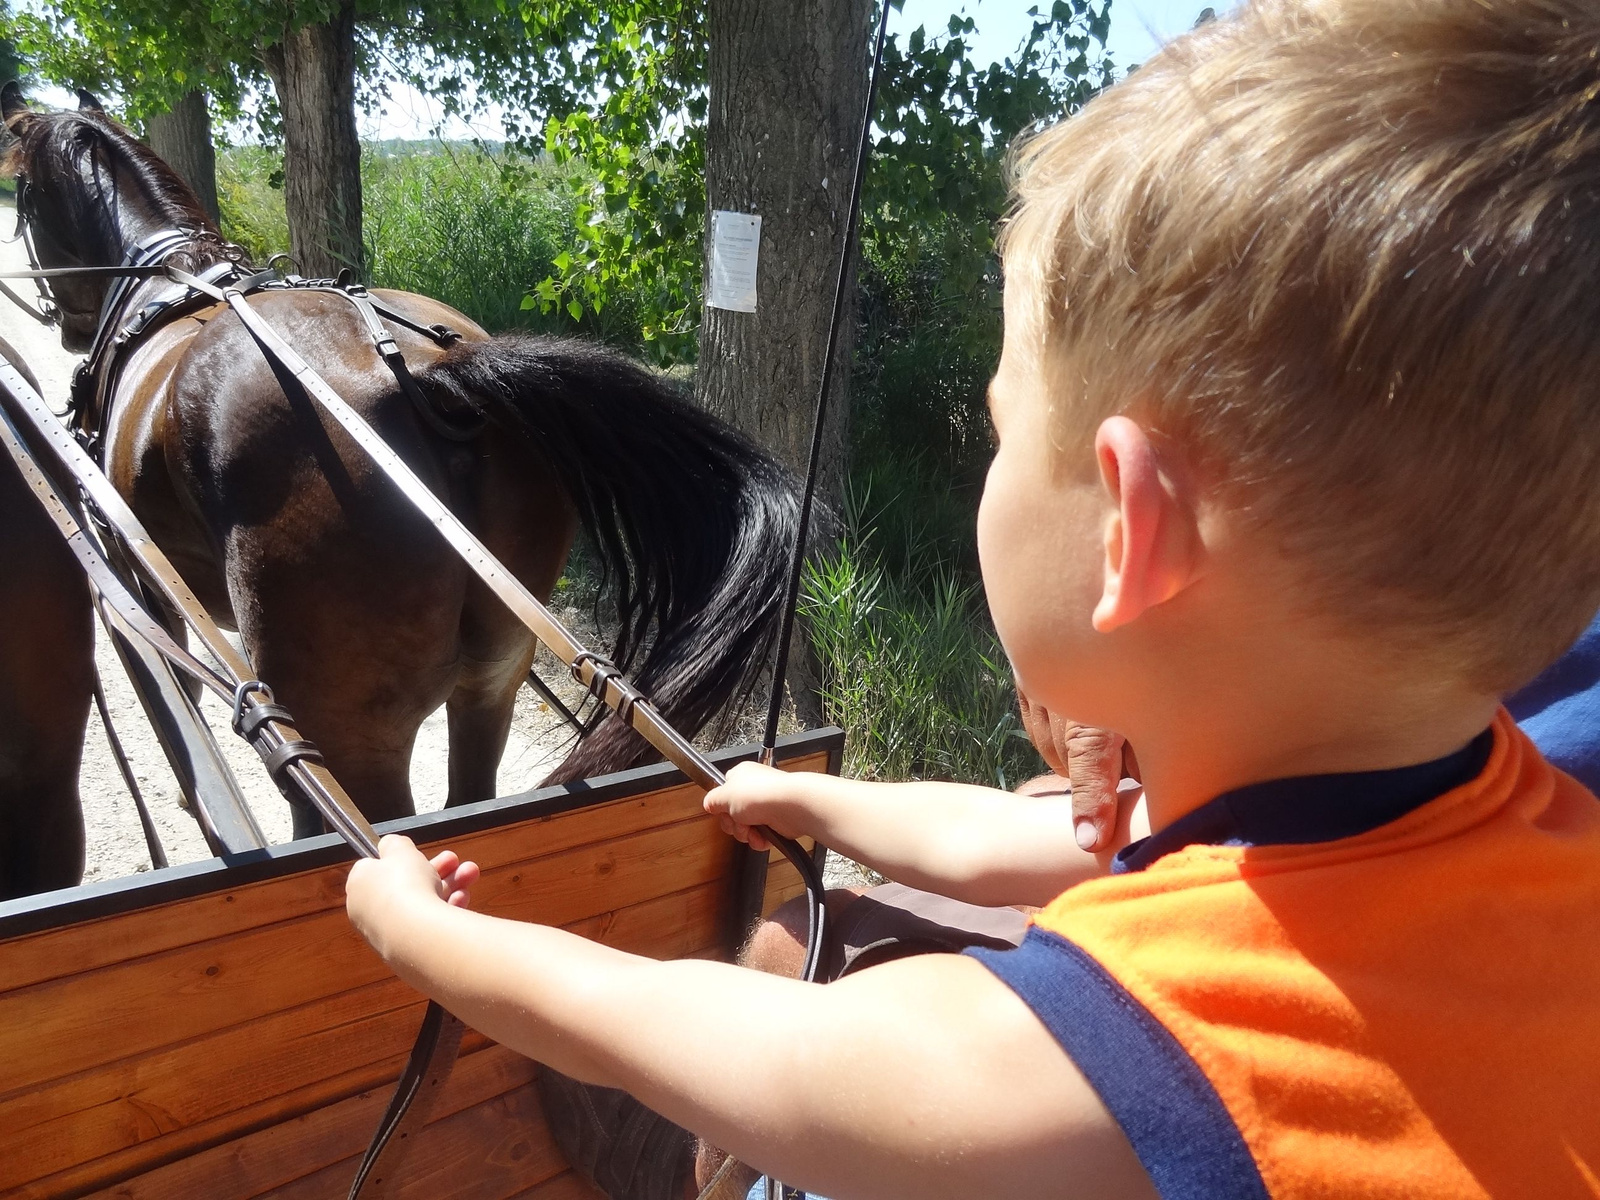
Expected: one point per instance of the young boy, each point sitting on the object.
(1298, 434)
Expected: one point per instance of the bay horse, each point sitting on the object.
(350, 606)
(46, 680)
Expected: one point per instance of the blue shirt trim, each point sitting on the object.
(1310, 808)
(1560, 710)
(1177, 1124)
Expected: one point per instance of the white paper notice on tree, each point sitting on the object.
(735, 245)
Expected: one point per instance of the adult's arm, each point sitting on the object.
(1094, 761)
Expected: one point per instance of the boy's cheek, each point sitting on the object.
(1041, 577)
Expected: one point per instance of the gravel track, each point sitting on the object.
(116, 846)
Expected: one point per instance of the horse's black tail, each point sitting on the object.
(693, 522)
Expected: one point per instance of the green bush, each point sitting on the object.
(911, 667)
(473, 229)
(250, 199)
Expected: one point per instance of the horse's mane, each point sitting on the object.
(60, 145)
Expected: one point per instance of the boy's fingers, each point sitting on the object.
(394, 845)
(446, 861)
(1094, 765)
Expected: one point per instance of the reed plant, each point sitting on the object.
(911, 668)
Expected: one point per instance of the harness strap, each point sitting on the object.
(302, 777)
(40, 315)
(389, 350)
(286, 754)
(415, 1093)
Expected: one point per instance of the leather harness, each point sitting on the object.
(294, 762)
(95, 380)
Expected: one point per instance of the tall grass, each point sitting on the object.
(911, 668)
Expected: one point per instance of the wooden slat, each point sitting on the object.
(55, 953)
(489, 1152)
(566, 1186)
(64, 1026)
(138, 1042)
(290, 1150)
(175, 1100)
(83, 947)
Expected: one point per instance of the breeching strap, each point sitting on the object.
(440, 1036)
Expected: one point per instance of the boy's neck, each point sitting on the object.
(1306, 723)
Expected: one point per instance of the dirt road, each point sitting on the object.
(116, 846)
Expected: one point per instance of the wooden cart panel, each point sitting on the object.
(219, 1030)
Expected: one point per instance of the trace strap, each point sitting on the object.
(591, 670)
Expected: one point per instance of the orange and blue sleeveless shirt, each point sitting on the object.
(1370, 985)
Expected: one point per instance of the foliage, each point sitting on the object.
(458, 223)
(911, 668)
(930, 317)
(936, 181)
(250, 200)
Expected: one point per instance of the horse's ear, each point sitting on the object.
(87, 101)
(13, 107)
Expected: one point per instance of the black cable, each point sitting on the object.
(810, 873)
(797, 563)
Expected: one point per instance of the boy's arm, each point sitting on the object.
(923, 1078)
(975, 844)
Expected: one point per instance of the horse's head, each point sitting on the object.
(87, 190)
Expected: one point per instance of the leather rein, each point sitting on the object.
(294, 763)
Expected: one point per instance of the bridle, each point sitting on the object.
(47, 312)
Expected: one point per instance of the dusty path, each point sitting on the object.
(116, 845)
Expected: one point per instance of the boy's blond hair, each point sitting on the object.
(1344, 256)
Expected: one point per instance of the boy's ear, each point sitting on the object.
(1152, 537)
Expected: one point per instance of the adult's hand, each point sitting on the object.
(1093, 760)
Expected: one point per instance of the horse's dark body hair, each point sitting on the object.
(89, 145)
(691, 518)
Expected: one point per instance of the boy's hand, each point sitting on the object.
(1093, 760)
(759, 795)
(380, 889)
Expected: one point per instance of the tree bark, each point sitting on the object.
(788, 81)
(182, 138)
(313, 71)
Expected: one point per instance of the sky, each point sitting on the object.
(1137, 28)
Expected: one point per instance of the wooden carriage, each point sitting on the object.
(219, 1030)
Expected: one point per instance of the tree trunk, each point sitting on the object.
(314, 73)
(182, 138)
(788, 81)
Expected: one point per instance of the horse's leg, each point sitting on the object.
(46, 674)
(358, 637)
(480, 708)
(526, 521)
